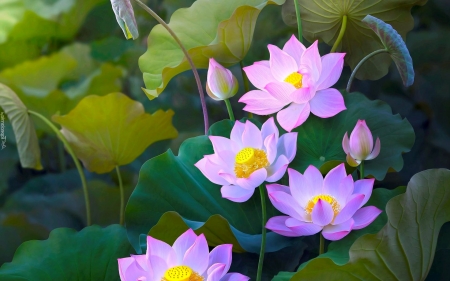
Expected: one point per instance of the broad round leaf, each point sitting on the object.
(226, 34)
(11, 11)
(322, 20)
(172, 183)
(113, 130)
(90, 254)
(26, 139)
(319, 140)
(404, 248)
(395, 45)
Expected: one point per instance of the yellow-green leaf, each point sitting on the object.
(322, 20)
(27, 141)
(113, 130)
(11, 11)
(219, 29)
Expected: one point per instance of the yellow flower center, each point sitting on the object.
(249, 160)
(181, 273)
(295, 79)
(330, 199)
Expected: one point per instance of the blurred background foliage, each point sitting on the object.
(55, 52)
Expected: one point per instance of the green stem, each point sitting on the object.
(122, 196)
(246, 84)
(230, 109)
(263, 235)
(61, 156)
(75, 159)
(299, 20)
(361, 170)
(188, 58)
(350, 81)
(321, 244)
(341, 34)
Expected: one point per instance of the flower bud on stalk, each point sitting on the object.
(125, 17)
(360, 145)
(221, 83)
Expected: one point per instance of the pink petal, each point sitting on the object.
(158, 267)
(281, 91)
(294, 48)
(322, 213)
(230, 177)
(234, 277)
(220, 80)
(375, 151)
(333, 179)
(286, 204)
(287, 145)
(281, 64)
(327, 103)
(277, 170)
(259, 74)
(254, 180)
(365, 216)
(228, 160)
(183, 243)
(337, 232)
(197, 256)
(345, 144)
(332, 65)
(303, 95)
(314, 180)
(261, 102)
(311, 58)
(277, 187)
(361, 141)
(251, 137)
(221, 254)
(364, 186)
(221, 143)
(215, 272)
(303, 228)
(278, 225)
(263, 62)
(236, 133)
(210, 171)
(349, 209)
(269, 128)
(130, 270)
(344, 190)
(160, 249)
(270, 143)
(298, 186)
(142, 262)
(236, 193)
(293, 116)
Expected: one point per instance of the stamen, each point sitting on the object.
(181, 273)
(249, 160)
(295, 79)
(330, 199)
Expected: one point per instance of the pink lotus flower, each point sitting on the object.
(312, 204)
(360, 145)
(250, 157)
(188, 259)
(297, 77)
(221, 83)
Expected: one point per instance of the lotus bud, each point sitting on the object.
(125, 17)
(360, 145)
(221, 83)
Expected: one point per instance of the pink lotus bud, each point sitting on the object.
(221, 83)
(125, 18)
(360, 145)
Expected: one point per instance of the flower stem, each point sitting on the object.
(230, 109)
(263, 238)
(122, 196)
(188, 58)
(321, 244)
(75, 159)
(246, 84)
(299, 20)
(61, 157)
(341, 34)
(350, 81)
(361, 170)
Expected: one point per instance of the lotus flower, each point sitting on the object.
(188, 259)
(248, 158)
(125, 18)
(298, 78)
(221, 83)
(312, 204)
(360, 145)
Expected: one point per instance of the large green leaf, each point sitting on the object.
(26, 139)
(90, 254)
(11, 12)
(172, 183)
(319, 140)
(405, 247)
(322, 19)
(219, 29)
